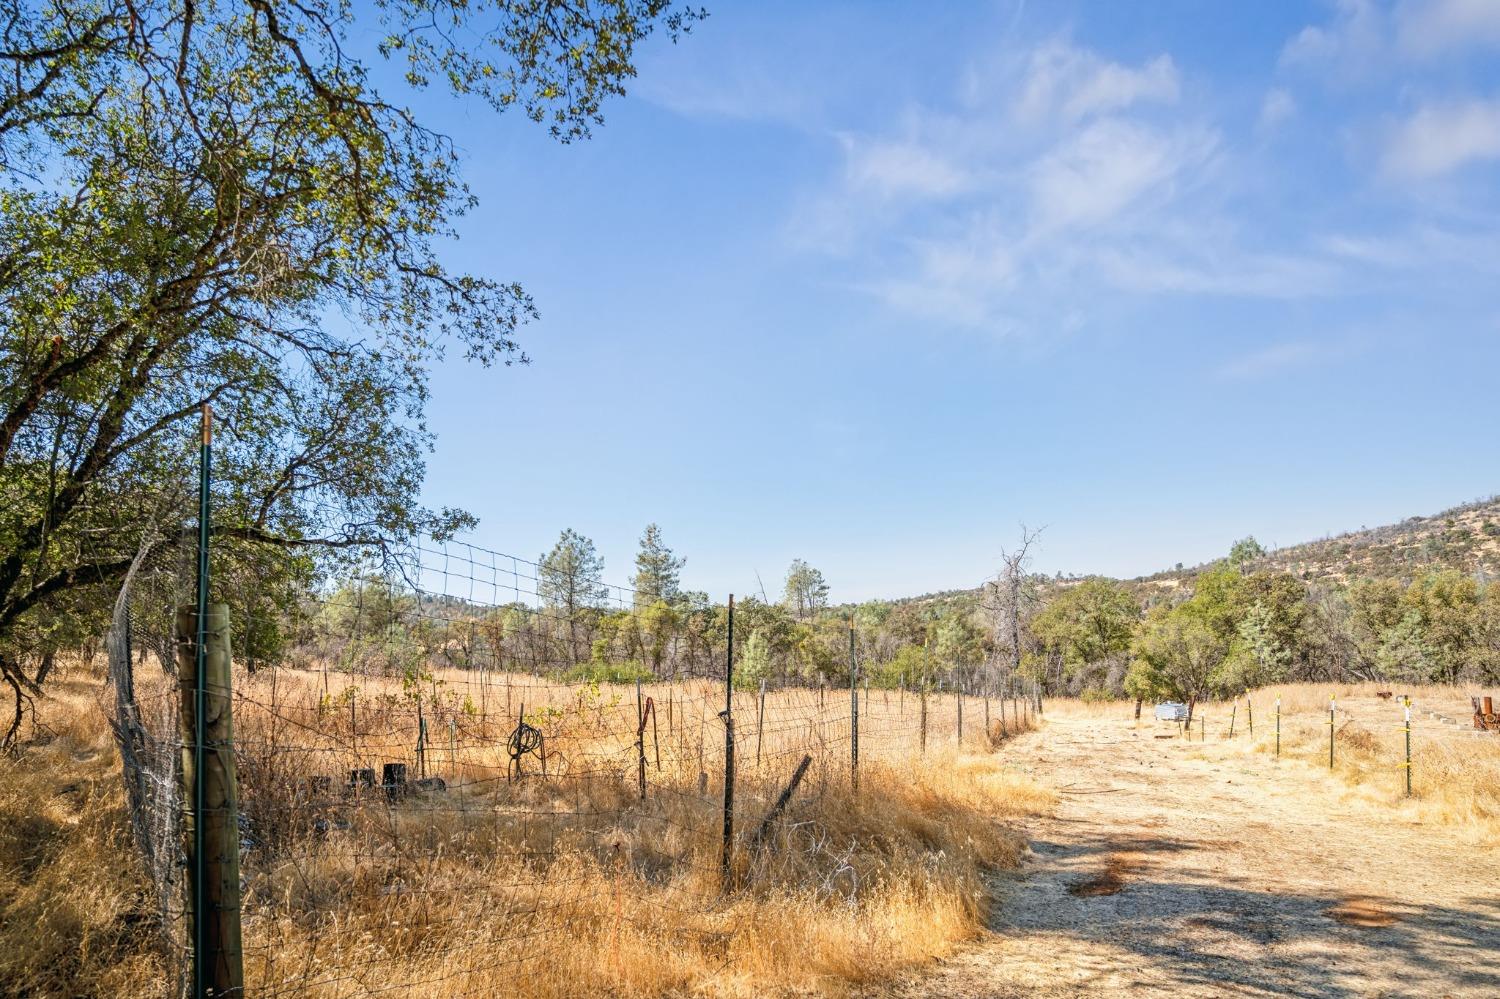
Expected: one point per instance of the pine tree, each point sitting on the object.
(656, 570)
(806, 591)
(568, 580)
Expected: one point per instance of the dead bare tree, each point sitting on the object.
(1010, 597)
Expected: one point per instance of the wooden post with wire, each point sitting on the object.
(213, 823)
(959, 738)
(1278, 726)
(726, 860)
(926, 673)
(760, 722)
(421, 740)
(1249, 714)
(853, 712)
(640, 737)
(1331, 707)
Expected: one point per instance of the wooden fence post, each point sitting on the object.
(223, 961)
(760, 722)
(640, 736)
(924, 717)
(1331, 707)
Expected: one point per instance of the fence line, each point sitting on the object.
(416, 763)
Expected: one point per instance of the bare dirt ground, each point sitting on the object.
(1188, 870)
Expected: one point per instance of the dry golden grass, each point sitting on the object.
(73, 916)
(1455, 773)
(566, 886)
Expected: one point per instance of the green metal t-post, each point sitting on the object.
(1408, 747)
(853, 712)
(201, 984)
(725, 861)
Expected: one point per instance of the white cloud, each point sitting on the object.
(1106, 167)
(963, 277)
(1275, 358)
(1440, 138)
(1066, 82)
(1092, 187)
(1364, 38)
(1177, 266)
(1431, 251)
(900, 168)
(1428, 28)
(1277, 107)
(1348, 45)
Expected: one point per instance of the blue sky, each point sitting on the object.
(873, 284)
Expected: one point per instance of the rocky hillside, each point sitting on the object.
(1466, 537)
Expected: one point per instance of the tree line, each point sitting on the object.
(1226, 629)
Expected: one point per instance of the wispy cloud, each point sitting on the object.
(1277, 358)
(1364, 38)
(901, 168)
(1056, 180)
(1277, 107)
(1068, 83)
(997, 210)
(1179, 267)
(1347, 45)
(1440, 138)
(1431, 28)
(1097, 173)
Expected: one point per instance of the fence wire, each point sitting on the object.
(438, 794)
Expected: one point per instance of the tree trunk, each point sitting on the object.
(49, 659)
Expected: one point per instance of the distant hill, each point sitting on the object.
(1465, 537)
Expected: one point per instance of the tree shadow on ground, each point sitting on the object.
(1204, 935)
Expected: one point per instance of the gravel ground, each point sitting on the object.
(1186, 870)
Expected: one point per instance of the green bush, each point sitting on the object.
(602, 672)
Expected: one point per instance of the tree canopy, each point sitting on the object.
(215, 203)
(1088, 622)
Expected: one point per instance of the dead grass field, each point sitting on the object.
(1155, 865)
(533, 888)
(1203, 870)
(1455, 770)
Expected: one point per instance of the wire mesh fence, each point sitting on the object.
(439, 787)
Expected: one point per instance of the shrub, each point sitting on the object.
(603, 672)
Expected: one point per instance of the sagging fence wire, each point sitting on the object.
(440, 772)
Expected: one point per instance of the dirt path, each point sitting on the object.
(1184, 870)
